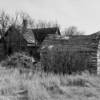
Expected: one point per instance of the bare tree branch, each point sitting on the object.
(72, 30)
(4, 22)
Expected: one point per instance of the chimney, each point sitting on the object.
(24, 25)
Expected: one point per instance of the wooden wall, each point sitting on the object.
(2, 51)
(83, 45)
(98, 59)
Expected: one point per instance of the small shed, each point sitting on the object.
(82, 52)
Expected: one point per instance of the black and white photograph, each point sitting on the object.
(49, 50)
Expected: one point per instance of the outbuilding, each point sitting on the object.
(71, 54)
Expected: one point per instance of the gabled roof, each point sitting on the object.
(41, 33)
(29, 36)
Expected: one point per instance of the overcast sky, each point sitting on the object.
(85, 14)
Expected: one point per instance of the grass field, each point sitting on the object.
(42, 86)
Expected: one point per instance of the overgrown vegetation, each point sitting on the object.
(66, 61)
(55, 61)
(42, 86)
(22, 61)
(31, 84)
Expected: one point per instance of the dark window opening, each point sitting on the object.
(31, 53)
(9, 51)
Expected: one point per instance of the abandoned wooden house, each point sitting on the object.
(76, 53)
(28, 40)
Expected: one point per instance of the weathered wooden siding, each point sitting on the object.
(2, 51)
(82, 45)
(98, 58)
(15, 41)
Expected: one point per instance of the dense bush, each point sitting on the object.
(18, 60)
(66, 61)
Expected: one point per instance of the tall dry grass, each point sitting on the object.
(48, 86)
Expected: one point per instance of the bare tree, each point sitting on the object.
(35, 24)
(45, 24)
(4, 22)
(40, 24)
(72, 30)
(24, 16)
(15, 20)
